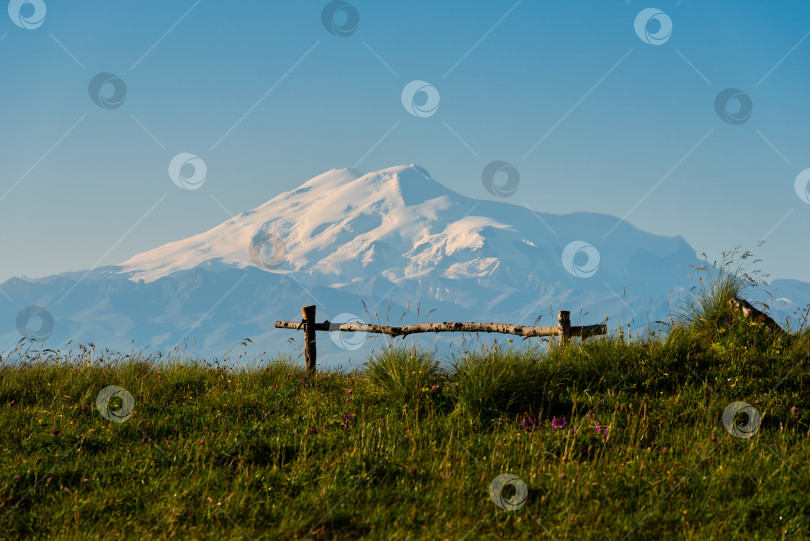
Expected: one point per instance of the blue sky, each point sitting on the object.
(593, 117)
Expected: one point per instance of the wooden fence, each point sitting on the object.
(564, 330)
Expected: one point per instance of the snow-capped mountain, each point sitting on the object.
(401, 227)
(343, 239)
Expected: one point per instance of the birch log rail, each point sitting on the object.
(564, 330)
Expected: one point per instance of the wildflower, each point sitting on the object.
(714, 438)
(756, 401)
(435, 387)
(794, 409)
(17, 476)
(665, 449)
(167, 442)
(350, 391)
(314, 430)
(601, 429)
(49, 480)
(410, 470)
(558, 423)
(562, 475)
(202, 441)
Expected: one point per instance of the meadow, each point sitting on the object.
(609, 438)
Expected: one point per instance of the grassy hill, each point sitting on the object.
(608, 439)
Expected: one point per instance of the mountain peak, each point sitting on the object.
(400, 175)
(340, 212)
(411, 182)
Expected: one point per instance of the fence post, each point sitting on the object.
(310, 350)
(564, 321)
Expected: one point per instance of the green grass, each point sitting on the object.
(406, 448)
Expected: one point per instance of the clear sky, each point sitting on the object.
(593, 114)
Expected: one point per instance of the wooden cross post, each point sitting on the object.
(564, 321)
(310, 352)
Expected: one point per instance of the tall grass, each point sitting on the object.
(709, 308)
(402, 375)
(496, 380)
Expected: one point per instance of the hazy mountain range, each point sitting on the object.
(343, 239)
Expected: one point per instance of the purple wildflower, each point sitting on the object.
(558, 423)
